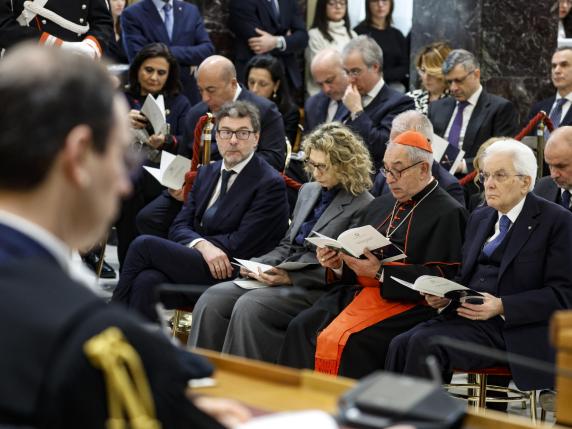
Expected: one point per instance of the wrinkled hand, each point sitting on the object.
(436, 302)
(263, 43)
(137, 120)
(352, 99)
(156, 141)
(329, 258)
(218, 262)
(363, 267)
(177, 194)
(228, 412)
(491, 307)
(275, 277)
(245, 273)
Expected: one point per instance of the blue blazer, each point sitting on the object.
(374, 124)
(446, 180)
(141, 25)
(246, 15)
(534, 279)
(493, 116)
(250, 221)
(272, 143)
(316, 111)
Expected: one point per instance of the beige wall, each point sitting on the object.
(310, 8)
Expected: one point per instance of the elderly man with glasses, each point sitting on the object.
(471, 115)
(348, 330)
(237, 208)
(517, 255)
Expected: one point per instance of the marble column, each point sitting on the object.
(513, 39)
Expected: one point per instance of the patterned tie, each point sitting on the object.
(556, 115)
(168, 10)
(566, 200)
(455, 131)
(210, 213)
(504, 225)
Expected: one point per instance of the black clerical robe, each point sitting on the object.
(359, 316)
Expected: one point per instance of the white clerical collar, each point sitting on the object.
(475, 97)
(238, 167)
(515, 211)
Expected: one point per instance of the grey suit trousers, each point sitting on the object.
(248, 323)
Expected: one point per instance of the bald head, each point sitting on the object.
(216, 79)
(558, 156)
(328, 73)
(411, 120)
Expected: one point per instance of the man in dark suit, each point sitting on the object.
(216, 225)
(472, 115)
(328, 72)
(558, 106)
(517, 255)
(412, 120)
(558, 156)
(84, 27)
(372, 104)
(58, 193)
(218, 85)
(268, 26)
(177, 24)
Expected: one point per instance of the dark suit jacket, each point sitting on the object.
(534, 278)
(40, 375)
(250, 221)
(493, 116)
(545, 105)
(141, 24)
(316, 111)
(96, 14)
(246, 15)
(446, 180)
(272, 143)
(374, 124)
(548, 189)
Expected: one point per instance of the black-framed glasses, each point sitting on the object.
(355, 72)
(240, 134)
(459, 80)
(315, 165)
(341, 3)
(498, 176)
(396, 174)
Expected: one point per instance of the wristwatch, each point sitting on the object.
(379, 273)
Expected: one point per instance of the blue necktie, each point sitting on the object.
(340, 112)
(455, 131)
(504, 225)
(168, 9)
(566, 200)
(556, 115)
(274, 5)
(210, 213)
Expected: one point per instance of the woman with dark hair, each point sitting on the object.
(115, 51)
(377, 25)
(565, 18)
(266, 78)
(154, 71)
(331, 29)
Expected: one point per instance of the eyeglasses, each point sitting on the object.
(396, 174)
(240, 134)
(498, 177)
(460, 80)
(341, 3)
(354, 72)
(314, 165)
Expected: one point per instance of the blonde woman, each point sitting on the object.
(252, 323)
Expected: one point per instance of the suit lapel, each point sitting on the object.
(270, 9)
(306, 206)
(522, 230)
(335, 208)
(476, 120)
(443, 118)
(483, 231)
(155, 22)
(209, 186)
(178, 18)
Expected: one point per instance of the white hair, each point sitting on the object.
(523, 159)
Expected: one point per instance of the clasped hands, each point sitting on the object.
(333, 259)
(491, 306)
(263, 43)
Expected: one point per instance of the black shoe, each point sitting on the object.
(91, 259)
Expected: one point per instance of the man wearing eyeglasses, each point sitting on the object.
(472, 115)
(237, 208)
(371, 103)
(517, 255)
